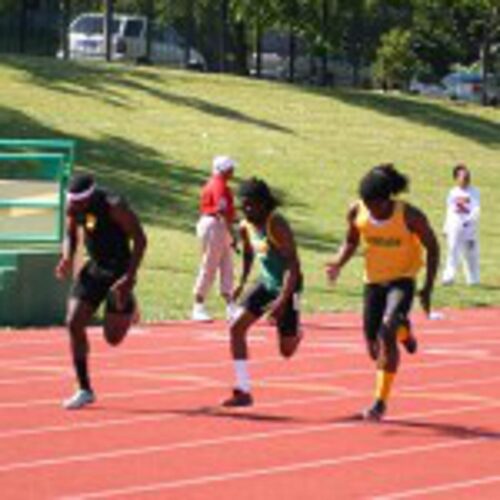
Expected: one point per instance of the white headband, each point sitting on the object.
(83, 195)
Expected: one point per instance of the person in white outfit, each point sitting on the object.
(214, 229)
(461, 228)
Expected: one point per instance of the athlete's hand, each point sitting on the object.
(276, 310)
(425, 299)
(332, 271)
(122, 289)
(63, 268)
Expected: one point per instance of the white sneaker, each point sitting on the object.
(199, 313)
(80, 398)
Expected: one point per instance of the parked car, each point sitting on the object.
(465, 86)
(129, 41)
(429, 89)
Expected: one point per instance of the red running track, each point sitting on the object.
(157, 430)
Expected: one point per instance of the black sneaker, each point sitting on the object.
(239, 399)
(408, 339)
(376, 412)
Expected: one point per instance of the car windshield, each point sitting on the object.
(93, 25)
(133, 28)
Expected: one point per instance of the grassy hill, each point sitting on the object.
(151, 133)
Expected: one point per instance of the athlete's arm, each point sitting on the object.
(418, 223)
(347, 248)
(130, 224)
(68, 249)
(247, 261)
(283, 239)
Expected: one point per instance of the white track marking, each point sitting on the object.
(15, 433)
(131, 421)
(441, 488)
(271, 471)
(233, 438)
(282, 379)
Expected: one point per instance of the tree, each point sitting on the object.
(395, 60)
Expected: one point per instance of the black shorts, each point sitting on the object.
(392, 300)
(93, 286)
(259, 297)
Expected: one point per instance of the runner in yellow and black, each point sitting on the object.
(267, 236)
(394, 235)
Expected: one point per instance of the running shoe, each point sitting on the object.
(239, 399)
(376, 412)
(81, 398)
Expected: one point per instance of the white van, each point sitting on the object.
(128, 41)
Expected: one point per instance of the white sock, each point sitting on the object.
(242, 377)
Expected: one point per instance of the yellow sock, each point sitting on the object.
(383, 384)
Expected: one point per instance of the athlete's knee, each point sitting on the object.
(288, 347)
(389, 328)
(238, 329)
(114, 337)
(75, 326)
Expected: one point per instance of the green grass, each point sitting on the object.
(151, 133)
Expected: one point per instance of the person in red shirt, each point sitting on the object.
(214, 229)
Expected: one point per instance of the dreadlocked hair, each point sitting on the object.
(257, 189)
(382, 182)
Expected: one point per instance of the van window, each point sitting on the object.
(133, 28)
(93, 25)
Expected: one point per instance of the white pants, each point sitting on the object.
(462, 246)
(217, 255)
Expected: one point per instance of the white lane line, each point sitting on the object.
(13, 433)
(279, 378)
(445, 487)
(220, 441)
(271, 471)
(16, 433)
(111, 395)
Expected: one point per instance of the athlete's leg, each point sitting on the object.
(78, 317)
(117, 322)
(88, 291)
(399, 297)
(374, 301)
(241, 395)
(290, 334)
(252, 308)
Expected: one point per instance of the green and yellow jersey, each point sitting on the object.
(391, 250)
(265, 248)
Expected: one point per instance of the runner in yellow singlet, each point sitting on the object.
(395, 237)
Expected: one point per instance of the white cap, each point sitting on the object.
(222, 164)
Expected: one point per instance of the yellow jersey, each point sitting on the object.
(391, 250)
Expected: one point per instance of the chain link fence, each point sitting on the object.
(198, 35)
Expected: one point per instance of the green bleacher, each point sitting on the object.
(33, 180)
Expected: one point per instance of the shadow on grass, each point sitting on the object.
(107, 82)
(164, 192)
(439, 114)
